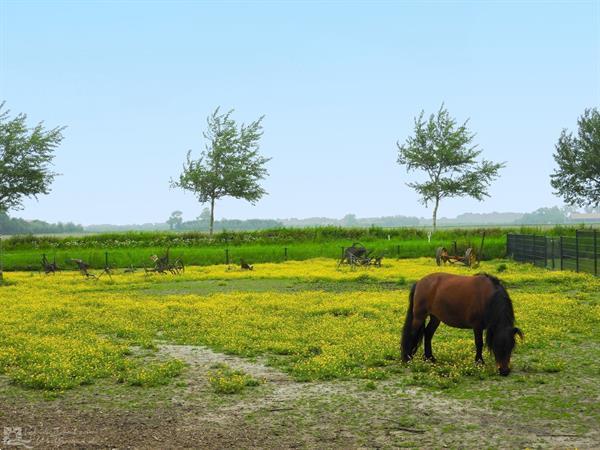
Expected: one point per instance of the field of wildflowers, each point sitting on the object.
(309, 318)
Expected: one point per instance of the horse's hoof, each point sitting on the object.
(480, 362)
(431, 359)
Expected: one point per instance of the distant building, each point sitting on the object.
(585, 217)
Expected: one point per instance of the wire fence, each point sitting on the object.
(128, 258)
(579, 253)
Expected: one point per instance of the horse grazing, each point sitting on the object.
(479, 302)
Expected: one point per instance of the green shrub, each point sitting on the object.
(225, 380)
(156, 374)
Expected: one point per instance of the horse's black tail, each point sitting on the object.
(410, 339)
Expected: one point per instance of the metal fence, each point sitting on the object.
(579, 253)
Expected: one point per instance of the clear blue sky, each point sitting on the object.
(339, 83)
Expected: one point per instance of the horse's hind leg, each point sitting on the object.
(434, 322)
(478, 345)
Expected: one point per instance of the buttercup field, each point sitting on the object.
(301, 346)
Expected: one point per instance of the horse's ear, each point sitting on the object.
(518, 332)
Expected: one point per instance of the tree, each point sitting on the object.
(444, 151)
(204, 215)
(543, 216)
(11, 225)
(229, 166)
(25, 158)
(175, 220)
(577, 178)
(349, 220)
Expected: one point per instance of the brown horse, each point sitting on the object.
(479, 302)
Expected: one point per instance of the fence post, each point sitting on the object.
(552, 240)
(514, 246)
(576, 251)
(545, 252)
(105, 260)
(533, 249)
(398, 251)
(285, 253)
(227, 256)
(561, 254)
(480, 255)
(343, 250)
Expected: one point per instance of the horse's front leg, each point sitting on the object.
(478, 345)
(434, 322)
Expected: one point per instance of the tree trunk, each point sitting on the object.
(435, 210)
(212, 216)
(1, 263)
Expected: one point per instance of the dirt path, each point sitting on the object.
(280, 413)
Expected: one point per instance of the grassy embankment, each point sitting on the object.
(134, 249)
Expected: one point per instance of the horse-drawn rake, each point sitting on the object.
(84, 268)
(164, 264)
(358, 256)
(49, 267)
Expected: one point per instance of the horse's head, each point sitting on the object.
(501, 330)
(503, 344)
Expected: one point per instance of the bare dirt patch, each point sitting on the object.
(280, 413)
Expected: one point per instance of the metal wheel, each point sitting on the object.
(438, 255)
(178, 267)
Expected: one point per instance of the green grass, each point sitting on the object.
(29, 259)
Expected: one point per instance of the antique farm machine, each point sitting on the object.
(165, 264)
(357, 255)
(470, 257)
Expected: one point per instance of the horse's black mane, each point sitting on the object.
(499, 317)
(492, 278)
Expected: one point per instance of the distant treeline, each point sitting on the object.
(542, 216)
(10, 225)
(192, 225)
